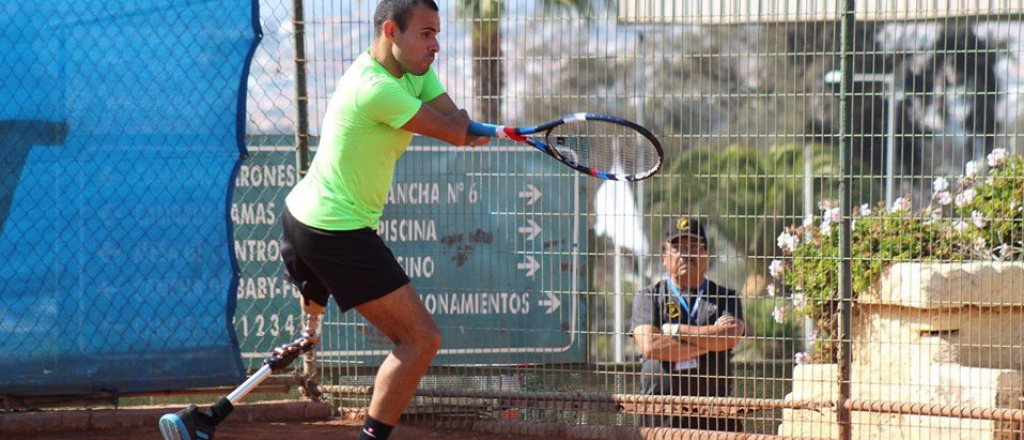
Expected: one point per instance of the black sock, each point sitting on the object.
(374, 430)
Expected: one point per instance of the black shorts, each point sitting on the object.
(354, 266)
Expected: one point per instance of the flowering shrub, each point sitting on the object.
(979, 216)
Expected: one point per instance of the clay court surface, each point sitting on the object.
(325, 430)
(262, 421)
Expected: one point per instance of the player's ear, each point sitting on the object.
(389, 30)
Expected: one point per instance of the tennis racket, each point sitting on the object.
(601, 146)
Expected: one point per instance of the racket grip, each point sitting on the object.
(482, 129)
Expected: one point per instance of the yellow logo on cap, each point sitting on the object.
(683, 224)
(672, 310)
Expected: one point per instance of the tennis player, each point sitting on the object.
(330, 245)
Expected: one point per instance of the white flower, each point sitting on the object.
(829, 218)
(788, 242)
(944, 198)
(853, 225)
(799, 300)
(865, 210)
(771, 290)
(980, 243)
(802, 358)
(779, 314)
(940, 184)
(960, 226)
(826, 227)
(978, 219)
(814, 334)
(1004, 250)
(972, 169)
(997, 157)
(808, 222)
(776, 268)
(966, 197)
(899, 205)
(832, 214)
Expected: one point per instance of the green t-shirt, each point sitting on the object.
(350, 176)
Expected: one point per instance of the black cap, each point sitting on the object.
(685, 227)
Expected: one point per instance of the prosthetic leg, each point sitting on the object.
(194, 424)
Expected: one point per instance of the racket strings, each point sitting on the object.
(604, 146)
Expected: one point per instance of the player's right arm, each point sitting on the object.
(655, 345)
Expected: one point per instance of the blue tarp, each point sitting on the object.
(121, 128)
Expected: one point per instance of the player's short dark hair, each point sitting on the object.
(398, 11)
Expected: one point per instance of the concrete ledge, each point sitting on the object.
(941, 384)
(39, 422)
(815, 382)
(948, 285)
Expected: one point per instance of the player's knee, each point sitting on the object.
(428, 343)
(434, 341)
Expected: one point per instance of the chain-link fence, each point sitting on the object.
(858, 176)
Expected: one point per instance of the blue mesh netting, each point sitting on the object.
(120, 132)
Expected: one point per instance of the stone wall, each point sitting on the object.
(943, 334)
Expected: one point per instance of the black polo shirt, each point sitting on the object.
(657, 305)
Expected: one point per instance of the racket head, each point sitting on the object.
(602, 146)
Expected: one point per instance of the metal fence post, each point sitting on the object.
(301, 93)
(308, 378)
(845, 170)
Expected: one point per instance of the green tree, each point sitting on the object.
(748, 196)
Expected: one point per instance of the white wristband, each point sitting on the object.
(670, 329)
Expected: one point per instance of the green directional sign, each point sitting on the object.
(492, 239)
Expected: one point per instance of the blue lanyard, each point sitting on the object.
(691, 314)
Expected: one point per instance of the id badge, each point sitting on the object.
(686, 365)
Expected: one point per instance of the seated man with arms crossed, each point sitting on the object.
(685, 327)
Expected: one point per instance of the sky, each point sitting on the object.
(337, 31)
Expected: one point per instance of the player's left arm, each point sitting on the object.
(444, 105)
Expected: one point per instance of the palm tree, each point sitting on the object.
(488, 58)
(489, 72)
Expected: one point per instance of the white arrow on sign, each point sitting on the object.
(532, 194)
(531, 231)
(552, 303)
(530, 266)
